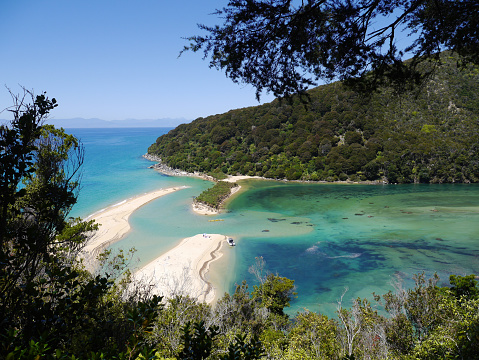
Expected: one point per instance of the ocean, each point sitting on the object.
(329, 238)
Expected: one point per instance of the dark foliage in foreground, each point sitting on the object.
(429, 136)
(52, 308)
(284, 46)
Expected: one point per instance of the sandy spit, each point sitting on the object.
(182, 270)
(113, 221)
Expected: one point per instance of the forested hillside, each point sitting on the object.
(53, 308)
(428, 136)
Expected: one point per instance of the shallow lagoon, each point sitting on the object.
(324, 236)
(327, 237)
(362, 236)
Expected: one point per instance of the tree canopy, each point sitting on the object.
(285, 46)
(52, 308)
(430, 137)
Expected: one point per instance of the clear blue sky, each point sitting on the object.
(114, 59)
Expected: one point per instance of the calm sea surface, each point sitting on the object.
(327, 237)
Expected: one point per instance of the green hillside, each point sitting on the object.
(427, 136)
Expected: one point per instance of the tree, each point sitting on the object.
(351, 321)
(197, 342)
(275, 293)
(285, 46)
(38, 183)
(464, 286)
(48, 303)
(314, 336)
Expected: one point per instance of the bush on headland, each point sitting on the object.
(52, 308)
(216, 195)
(429, 136)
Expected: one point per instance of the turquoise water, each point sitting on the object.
(324, 236)
(363, 236)
(114, 168)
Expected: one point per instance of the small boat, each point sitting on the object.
(231, 242)
(216, 220)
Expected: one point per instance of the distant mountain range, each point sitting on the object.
(98, 123)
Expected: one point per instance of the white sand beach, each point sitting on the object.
(236, 178)
(202, 209)
(182, 270)
(113, 221)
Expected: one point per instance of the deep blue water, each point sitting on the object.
(324, 236)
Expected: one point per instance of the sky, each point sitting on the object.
(114, 59)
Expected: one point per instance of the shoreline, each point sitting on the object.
(182, 270)
(113, 221)
(203, 209)
(165, 169)
(199, 208)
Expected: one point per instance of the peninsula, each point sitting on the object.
(341, 135)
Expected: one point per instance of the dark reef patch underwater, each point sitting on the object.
(405, 230)
(313, 237)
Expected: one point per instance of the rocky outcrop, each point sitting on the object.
(165, 169)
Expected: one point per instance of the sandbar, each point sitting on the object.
(113, 221)
(182, 270)
(236, 178)
(203, 209)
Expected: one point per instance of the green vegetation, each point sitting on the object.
(217, 175)
(215, 195)
(285, 46)
(429, 136)
(51, 307)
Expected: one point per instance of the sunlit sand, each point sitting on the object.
(113, 221)
(182, 270)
